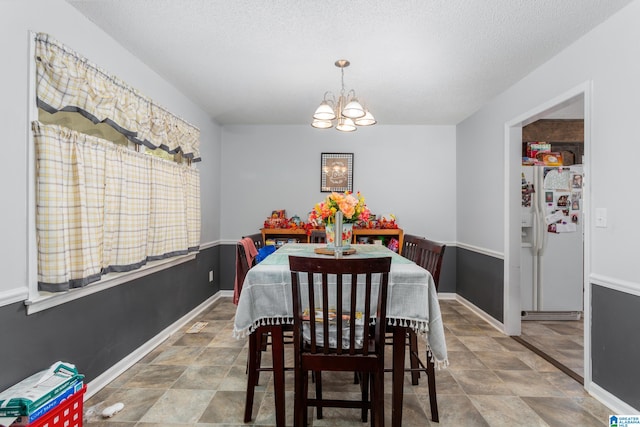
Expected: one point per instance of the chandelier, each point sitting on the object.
(346, 111)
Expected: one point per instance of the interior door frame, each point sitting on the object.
(512, 212)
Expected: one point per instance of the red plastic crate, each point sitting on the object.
(66, 414)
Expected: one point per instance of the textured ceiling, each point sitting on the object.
(412, 61)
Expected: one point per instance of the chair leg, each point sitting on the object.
(413, 356)
(277, 351)
(377, 399)
(252, 374)
(261, 342)
(364, 389)
(304, 409)
(318, 375)
(299, 403)
(399, 345)
(431, 378)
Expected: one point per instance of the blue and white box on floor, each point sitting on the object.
(36, 395)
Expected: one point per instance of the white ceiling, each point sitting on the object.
(412, 61)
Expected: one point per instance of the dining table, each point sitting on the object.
(265, 304)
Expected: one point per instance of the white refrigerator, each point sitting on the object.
(552, 242)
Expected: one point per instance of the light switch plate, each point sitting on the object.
(601, 217)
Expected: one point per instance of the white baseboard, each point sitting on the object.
(225, 294)
(612, 402)
(446, 296)
(486, 317)
(128, 361)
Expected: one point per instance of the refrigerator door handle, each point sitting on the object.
(537, 212)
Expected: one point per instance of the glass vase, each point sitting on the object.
(347, 235)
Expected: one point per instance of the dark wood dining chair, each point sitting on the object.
(318, 236)
(260, 339)
(409, 246)
(428, 255)
(333, 333)
(242, 263)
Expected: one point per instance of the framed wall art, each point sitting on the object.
(336, 172)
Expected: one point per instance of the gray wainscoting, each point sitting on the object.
(480, 280)
(615, 343)
(97, 331)
(448, 274)
(228, 264)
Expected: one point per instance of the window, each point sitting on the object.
(102, 203)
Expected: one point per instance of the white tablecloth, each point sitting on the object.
(412, 298)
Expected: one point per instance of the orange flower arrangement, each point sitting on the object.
(352, 207)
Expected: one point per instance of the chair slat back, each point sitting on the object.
(318, 236)
(409, 246)
(257, 241)
(429, 255)
(331, 298)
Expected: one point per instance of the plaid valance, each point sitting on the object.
(66, 81)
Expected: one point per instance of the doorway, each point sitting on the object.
(548, 335)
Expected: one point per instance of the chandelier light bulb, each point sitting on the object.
(324, 112)
(322, 124)
(366, 120)
(353, 110)
(346, 125)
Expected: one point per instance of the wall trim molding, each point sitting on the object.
(209, 244)
(480, 250)
(615, 284)
(135, 356)
(611, 401)
(47, 300)
(13, 295)
(481, 313)
(225, 293)
(447, 296)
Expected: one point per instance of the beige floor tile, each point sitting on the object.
(506, 411)
(156, 376)
(560, 411)
(226, 407)
(457, 411)
(481, 382)
(201, 377)
(502, 360)
(528, 383)
(179, 406)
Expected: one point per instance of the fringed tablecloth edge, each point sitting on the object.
(419, 326)
(264, 321)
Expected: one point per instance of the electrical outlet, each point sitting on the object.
(211, 275)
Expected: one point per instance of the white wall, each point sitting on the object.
(405, 170)
(63, 22)
(607, 57)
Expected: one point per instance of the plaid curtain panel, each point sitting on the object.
(168, 219)
(101, 207)
(127, 209)
(192, 196)
(66, 81)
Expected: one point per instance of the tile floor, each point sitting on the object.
(199, 380)
(563, 340)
